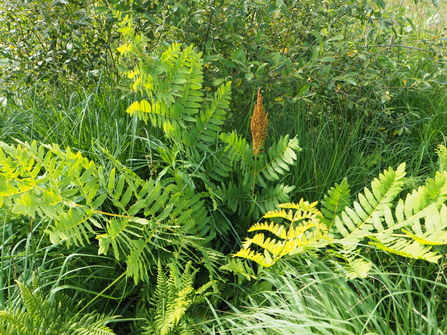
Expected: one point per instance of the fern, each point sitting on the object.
(353, 224)
(352, 265)
(303, 232)
(257, 172)
(148, 221)
(173, 102)
(405, 230)
(167, 309)
(240, 268)
(41, 315)
(408, 227)
(335, 201)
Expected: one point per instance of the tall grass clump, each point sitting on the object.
(88, 120)
(307, 296)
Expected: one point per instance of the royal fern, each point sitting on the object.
(193, 125)
(148, 220)
(406, 226)
(254, 185)
(303, 231)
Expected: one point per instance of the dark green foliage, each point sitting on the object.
(352, 57)
(55, 41)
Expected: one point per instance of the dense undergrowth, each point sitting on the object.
(223, 167)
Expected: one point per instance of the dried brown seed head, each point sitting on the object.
(259, 125)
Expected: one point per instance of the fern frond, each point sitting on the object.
(353, 266)
(70, 190)
(34, 302)
(37, 314)
(263, 260)
(304, 232)
(238, 150)
(409, 229)
(241, 268)
(272, 197)
(90, 324)
(434, 229)
(279, 157)
(276, 229)
(405, 247)
(174, 104)
(335, 201)
(303, 210)
(173, 296)
(418, 222)
(356, 223)
(205, 129)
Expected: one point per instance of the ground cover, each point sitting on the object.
(132, 166)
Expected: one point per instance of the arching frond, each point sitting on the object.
(408, 227)
(302, 232)
(38, 315)
(338, 197)
(174, 295)
(354, 224)
(68, 190)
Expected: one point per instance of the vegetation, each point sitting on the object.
(141, 144)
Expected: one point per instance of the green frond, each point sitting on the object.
(69, 191)
(218, 166)
(405, 248)
(434, 229)
(234, 195)
(354, 224)
(34, 302)
(91, 324)
(173, 297)
(272, 197)
(37, 314)
(206, 128)
(174, 98)
(279, 157)
(409, 228)
(238, 150)
(337, 199)
(418, 222)
(353, 266)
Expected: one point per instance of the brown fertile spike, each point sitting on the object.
(259, 125)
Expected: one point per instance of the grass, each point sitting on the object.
(309, 297)
(85, 120)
